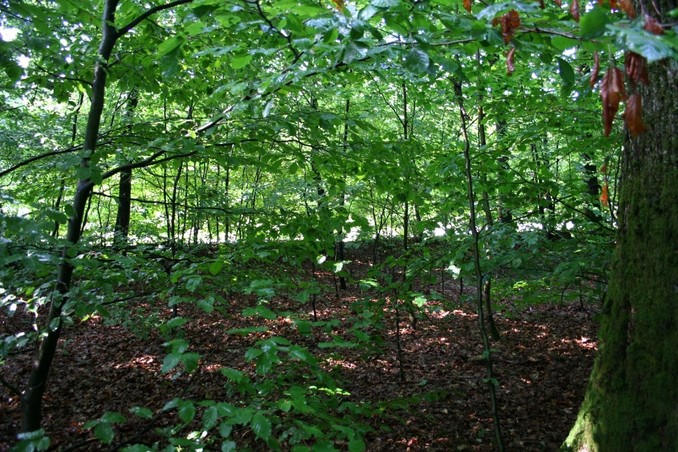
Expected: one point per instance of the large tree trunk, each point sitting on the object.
(632, 398)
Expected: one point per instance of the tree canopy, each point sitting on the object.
(178, 150)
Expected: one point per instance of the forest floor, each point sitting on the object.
(542, 363)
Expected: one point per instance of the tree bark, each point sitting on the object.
(122, 217)
(632, 397)
(31, 403)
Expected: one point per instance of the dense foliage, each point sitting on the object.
(218, 140)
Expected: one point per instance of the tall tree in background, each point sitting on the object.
(632, 399)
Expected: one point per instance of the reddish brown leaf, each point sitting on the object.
(510, 66)
(574, 9)
(595, 70)
(627, 7)
(514, 18)
(467, 5)
(605, 195)
(339, 4)
(635, 66)
(509, 23)
(653, 26)
(617, 87)
(613, 4)
(633, 115)
(612, 91)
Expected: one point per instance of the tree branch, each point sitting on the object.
(60, 77)
(38, 157)
(141, 164)
(148, 14)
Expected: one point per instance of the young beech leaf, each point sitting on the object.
(593, 23)
(628, 8)
(604, 195)
(595, 70)
(574, 10)
(509, 23)
(612, 92)
(467, 5)
(653, 26)
(566, 72)
(241, 61)
(633, 117)
(636, 68)
(261, 426)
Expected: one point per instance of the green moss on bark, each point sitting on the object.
(632, 398)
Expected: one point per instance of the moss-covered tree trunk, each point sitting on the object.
(632, 398)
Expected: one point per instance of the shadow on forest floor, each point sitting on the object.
(542, 363)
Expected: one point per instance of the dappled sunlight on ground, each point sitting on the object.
(433, 390)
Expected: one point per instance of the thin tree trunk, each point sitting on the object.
(31, 403)
(491, 383)
(122, 218)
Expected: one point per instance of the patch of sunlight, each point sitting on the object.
(212, 367)
(582, 342)
(460, 313)
(146, 362)
(342, 363)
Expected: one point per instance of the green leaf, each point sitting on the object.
(562, 43)
(190, 361)
(300, 353)
(112, 417)
(385, 3)
(169, 45)
(241, 61)
(215, 267)
(186, 411)
(142, 412)
(228, 446)
(651, 46)
(261, 426)
(193, 283)
(351, 52)
(176, 322)
(31, 441)
(592, 24)
(417, 61)
(566, 71)
(206, 305)
(210, 418)
(170, 362)
(419, 301)
(356, 445)
(265, 313)
(104, 431)
(225, 429)
(170, 65)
